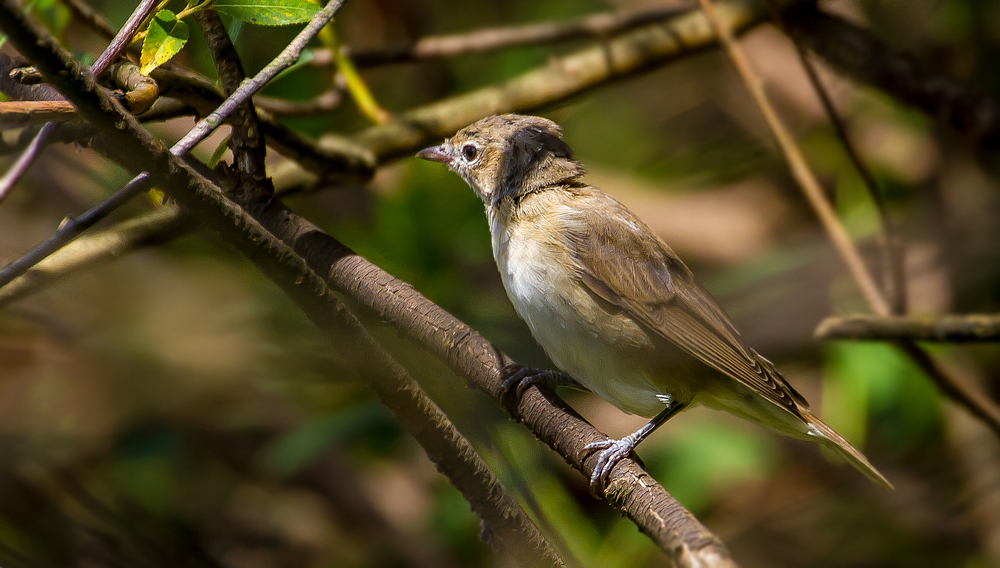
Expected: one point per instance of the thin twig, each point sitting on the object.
(74, 227)
(948, 329)
(957, 387)
(893, 254)
(123, 37)
(34, 149)
(799, 167)
(977, 403)
(95, 249)
(26, 158)
(596, 26)
(286, 58)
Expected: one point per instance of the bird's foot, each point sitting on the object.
(612, 452)
(517, 379)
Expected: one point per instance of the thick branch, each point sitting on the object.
(949, 329)
(16, 113)
(630, 489)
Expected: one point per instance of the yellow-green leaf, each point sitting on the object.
(268, 12)
(165, 37)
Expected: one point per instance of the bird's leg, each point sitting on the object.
(614, 451)
(517, 378)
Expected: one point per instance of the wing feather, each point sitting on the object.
(621, 261)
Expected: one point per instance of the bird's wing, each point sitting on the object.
(624, 263)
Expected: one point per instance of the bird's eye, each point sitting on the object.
(470, 152)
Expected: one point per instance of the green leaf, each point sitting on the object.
(165, 37)
(268, 12)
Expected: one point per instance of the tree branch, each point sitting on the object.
(595, 26)
(245, 139)
(948, 329)
(630, 489)
(347, 163)
(18, 113)
(639, 50)
(123, 37)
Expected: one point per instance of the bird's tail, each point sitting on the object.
(831, 439)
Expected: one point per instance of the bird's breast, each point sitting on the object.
(603, 349)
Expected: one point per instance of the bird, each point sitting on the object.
(611, 304)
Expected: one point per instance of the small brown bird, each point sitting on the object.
(614, 308)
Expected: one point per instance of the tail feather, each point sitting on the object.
(836, 442)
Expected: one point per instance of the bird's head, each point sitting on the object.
(508, 155)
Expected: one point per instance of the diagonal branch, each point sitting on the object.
(95, 249)
(894, 277)
(631, 490)
(112, 52)
(641, 49)
(508, 529)
(595, 26)
(123, 37)
(803, 175)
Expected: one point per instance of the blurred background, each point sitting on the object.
(174, 407)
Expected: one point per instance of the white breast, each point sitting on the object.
(576, 333)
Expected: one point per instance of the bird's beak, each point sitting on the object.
(435, 154)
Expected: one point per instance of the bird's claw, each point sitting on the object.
(517, 379)
(612, 452)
